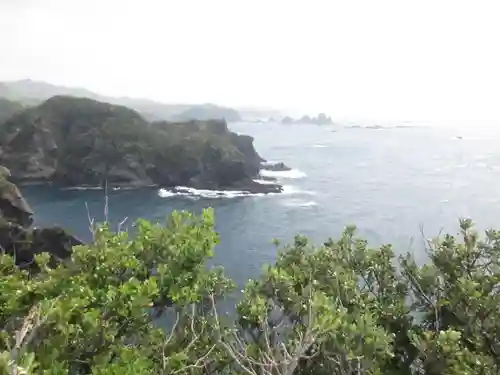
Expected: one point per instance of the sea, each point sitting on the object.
(398, 185)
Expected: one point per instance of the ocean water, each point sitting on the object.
(397, 185)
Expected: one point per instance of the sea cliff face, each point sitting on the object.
(18, 238)
(72, 141)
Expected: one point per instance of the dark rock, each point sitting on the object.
(244, 143)
(55, 240)
(23, 244)
(256, 188)
(13, 207)
(277, 167)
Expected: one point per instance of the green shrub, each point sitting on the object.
(340, 308)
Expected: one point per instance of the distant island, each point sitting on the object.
(31, 93)
(321, 119)
(71, 141)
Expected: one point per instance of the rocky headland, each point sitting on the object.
(69, 141)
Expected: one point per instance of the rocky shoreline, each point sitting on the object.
(249, 186)
(23, 241)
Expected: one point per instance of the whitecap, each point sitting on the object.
(293, 190)
(291, 174)
(299, 203)
(83, 188)
(308, 204)
(319, 146)
(163, 193)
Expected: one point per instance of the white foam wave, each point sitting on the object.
(319, 146)
(195, 194)
(299, 203)
(83, 188)
(293, 190)
(184, 191)
(112, 188)
(291, 174)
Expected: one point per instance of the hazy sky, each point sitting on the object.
(436, 60)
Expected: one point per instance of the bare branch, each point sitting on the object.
(91, 221)
(273, 357)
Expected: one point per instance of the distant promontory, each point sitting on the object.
(31, 93)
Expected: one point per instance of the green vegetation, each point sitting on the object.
(340, 308)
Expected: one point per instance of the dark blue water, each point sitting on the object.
(388, 182)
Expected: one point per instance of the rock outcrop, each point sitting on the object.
(275, 167)
(82, 142)
(13, 207)
(321, 119)
(16, 236)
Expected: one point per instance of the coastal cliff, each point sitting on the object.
(72, 141)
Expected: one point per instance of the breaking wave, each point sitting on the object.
(299, 203)
(83, 188)
(195, 194)
(183, 191)
(291, 174)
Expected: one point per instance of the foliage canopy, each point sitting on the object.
(340, 308)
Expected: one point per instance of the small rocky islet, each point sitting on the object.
(321, 119)
(73, 142)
